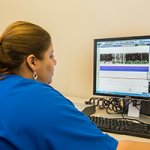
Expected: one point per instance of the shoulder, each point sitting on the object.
(29, 87)
(28, 91)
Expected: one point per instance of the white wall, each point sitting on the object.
(73, 24)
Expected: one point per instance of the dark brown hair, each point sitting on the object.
(19, 40)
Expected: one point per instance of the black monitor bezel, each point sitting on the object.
(95, 59)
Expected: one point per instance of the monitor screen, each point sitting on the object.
(122, 67)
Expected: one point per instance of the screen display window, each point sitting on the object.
(122, 67)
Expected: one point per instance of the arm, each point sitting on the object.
(129, 145)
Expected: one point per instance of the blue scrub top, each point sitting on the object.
(34, 116)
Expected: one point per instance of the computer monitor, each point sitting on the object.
(122, 67)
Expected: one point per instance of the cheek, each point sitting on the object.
(49, 67)
(45, 69)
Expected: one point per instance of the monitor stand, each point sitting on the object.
(145, 107)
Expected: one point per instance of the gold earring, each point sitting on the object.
(35, 75)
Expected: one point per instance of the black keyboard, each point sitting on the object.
(122, 126)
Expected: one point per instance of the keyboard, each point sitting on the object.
(122, 126)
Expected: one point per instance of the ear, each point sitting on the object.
(31, 62)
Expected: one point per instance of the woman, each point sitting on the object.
(33, 115)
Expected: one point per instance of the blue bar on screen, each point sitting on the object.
(125, 68)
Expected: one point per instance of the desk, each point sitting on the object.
(81, 101)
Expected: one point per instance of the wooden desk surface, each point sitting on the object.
(81, 101)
